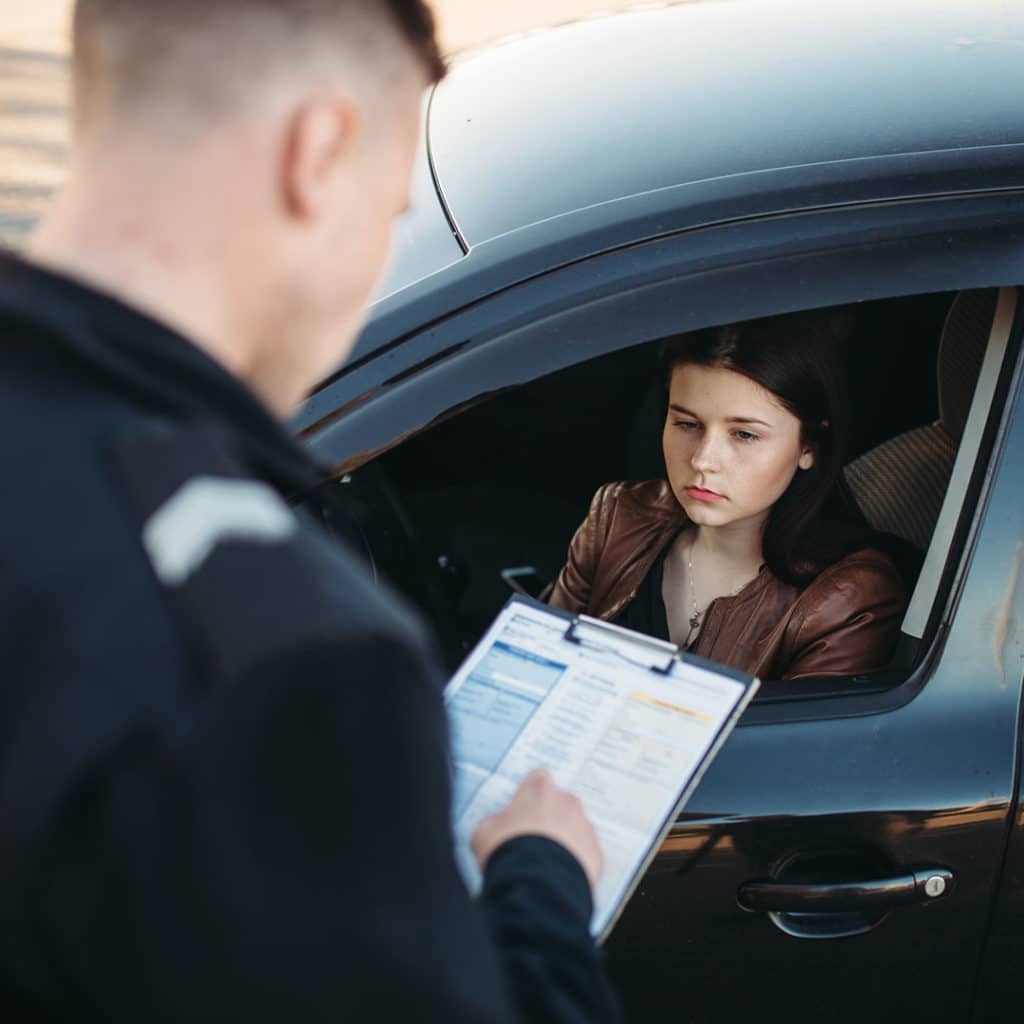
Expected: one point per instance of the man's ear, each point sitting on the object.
(320, 139)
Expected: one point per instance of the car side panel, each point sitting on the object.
(923, 778)
(928, 784)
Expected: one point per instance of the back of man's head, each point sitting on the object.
(190, 60)
(238, 167)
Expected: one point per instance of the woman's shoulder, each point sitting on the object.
(846, 621)
(864, 578)
(867, 563)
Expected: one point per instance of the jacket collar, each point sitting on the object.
(655, 502)
(150, 363)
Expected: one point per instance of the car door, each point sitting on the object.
(998, 986)
(841, 862)
(841, 856)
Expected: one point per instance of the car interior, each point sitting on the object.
(485, 503)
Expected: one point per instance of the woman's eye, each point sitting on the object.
(687, 424)
(745, 435)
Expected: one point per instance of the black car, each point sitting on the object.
(856, 852)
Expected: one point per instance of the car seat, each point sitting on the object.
(900, 484)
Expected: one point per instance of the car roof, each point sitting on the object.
(594, 136)
(576, 116)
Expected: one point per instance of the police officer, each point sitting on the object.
(224, 783)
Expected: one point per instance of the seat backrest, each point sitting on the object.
(900, 484)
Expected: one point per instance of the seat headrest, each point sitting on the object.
(962, 347)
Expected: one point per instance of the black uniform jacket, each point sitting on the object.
(224, 779)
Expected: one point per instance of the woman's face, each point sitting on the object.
(731, 448)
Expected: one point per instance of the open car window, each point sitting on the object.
(489, 497)
(473, 444)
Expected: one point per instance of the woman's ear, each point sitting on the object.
(806, 459)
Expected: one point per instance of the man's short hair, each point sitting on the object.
(210, 53)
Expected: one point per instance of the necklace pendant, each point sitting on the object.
(694, 620)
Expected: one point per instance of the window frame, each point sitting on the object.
(695, 279)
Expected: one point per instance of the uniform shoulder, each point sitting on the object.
(366, 604)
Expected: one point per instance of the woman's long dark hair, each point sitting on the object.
(795, 357)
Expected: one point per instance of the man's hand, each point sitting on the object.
(540, 808)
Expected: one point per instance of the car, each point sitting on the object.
(856, 850)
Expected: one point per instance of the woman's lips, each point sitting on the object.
(700, 494)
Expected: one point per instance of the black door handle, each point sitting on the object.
(923, 886)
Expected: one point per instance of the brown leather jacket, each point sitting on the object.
(845, 622)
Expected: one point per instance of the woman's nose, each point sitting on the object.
(705, 455)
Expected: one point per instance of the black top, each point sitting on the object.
(646, 612)
(224, 774)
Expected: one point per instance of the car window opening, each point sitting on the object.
(486, 502)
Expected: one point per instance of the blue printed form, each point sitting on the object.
(629, 741)
(491, 709)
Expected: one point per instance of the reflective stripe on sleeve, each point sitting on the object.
(208, 511)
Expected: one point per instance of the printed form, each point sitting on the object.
(626, 739)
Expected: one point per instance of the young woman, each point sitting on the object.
(731, 556)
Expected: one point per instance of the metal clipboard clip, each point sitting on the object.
(644, 651)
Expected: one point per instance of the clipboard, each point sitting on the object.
(627, 722)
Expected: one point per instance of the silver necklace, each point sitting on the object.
(698, 612)
(695, 617)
